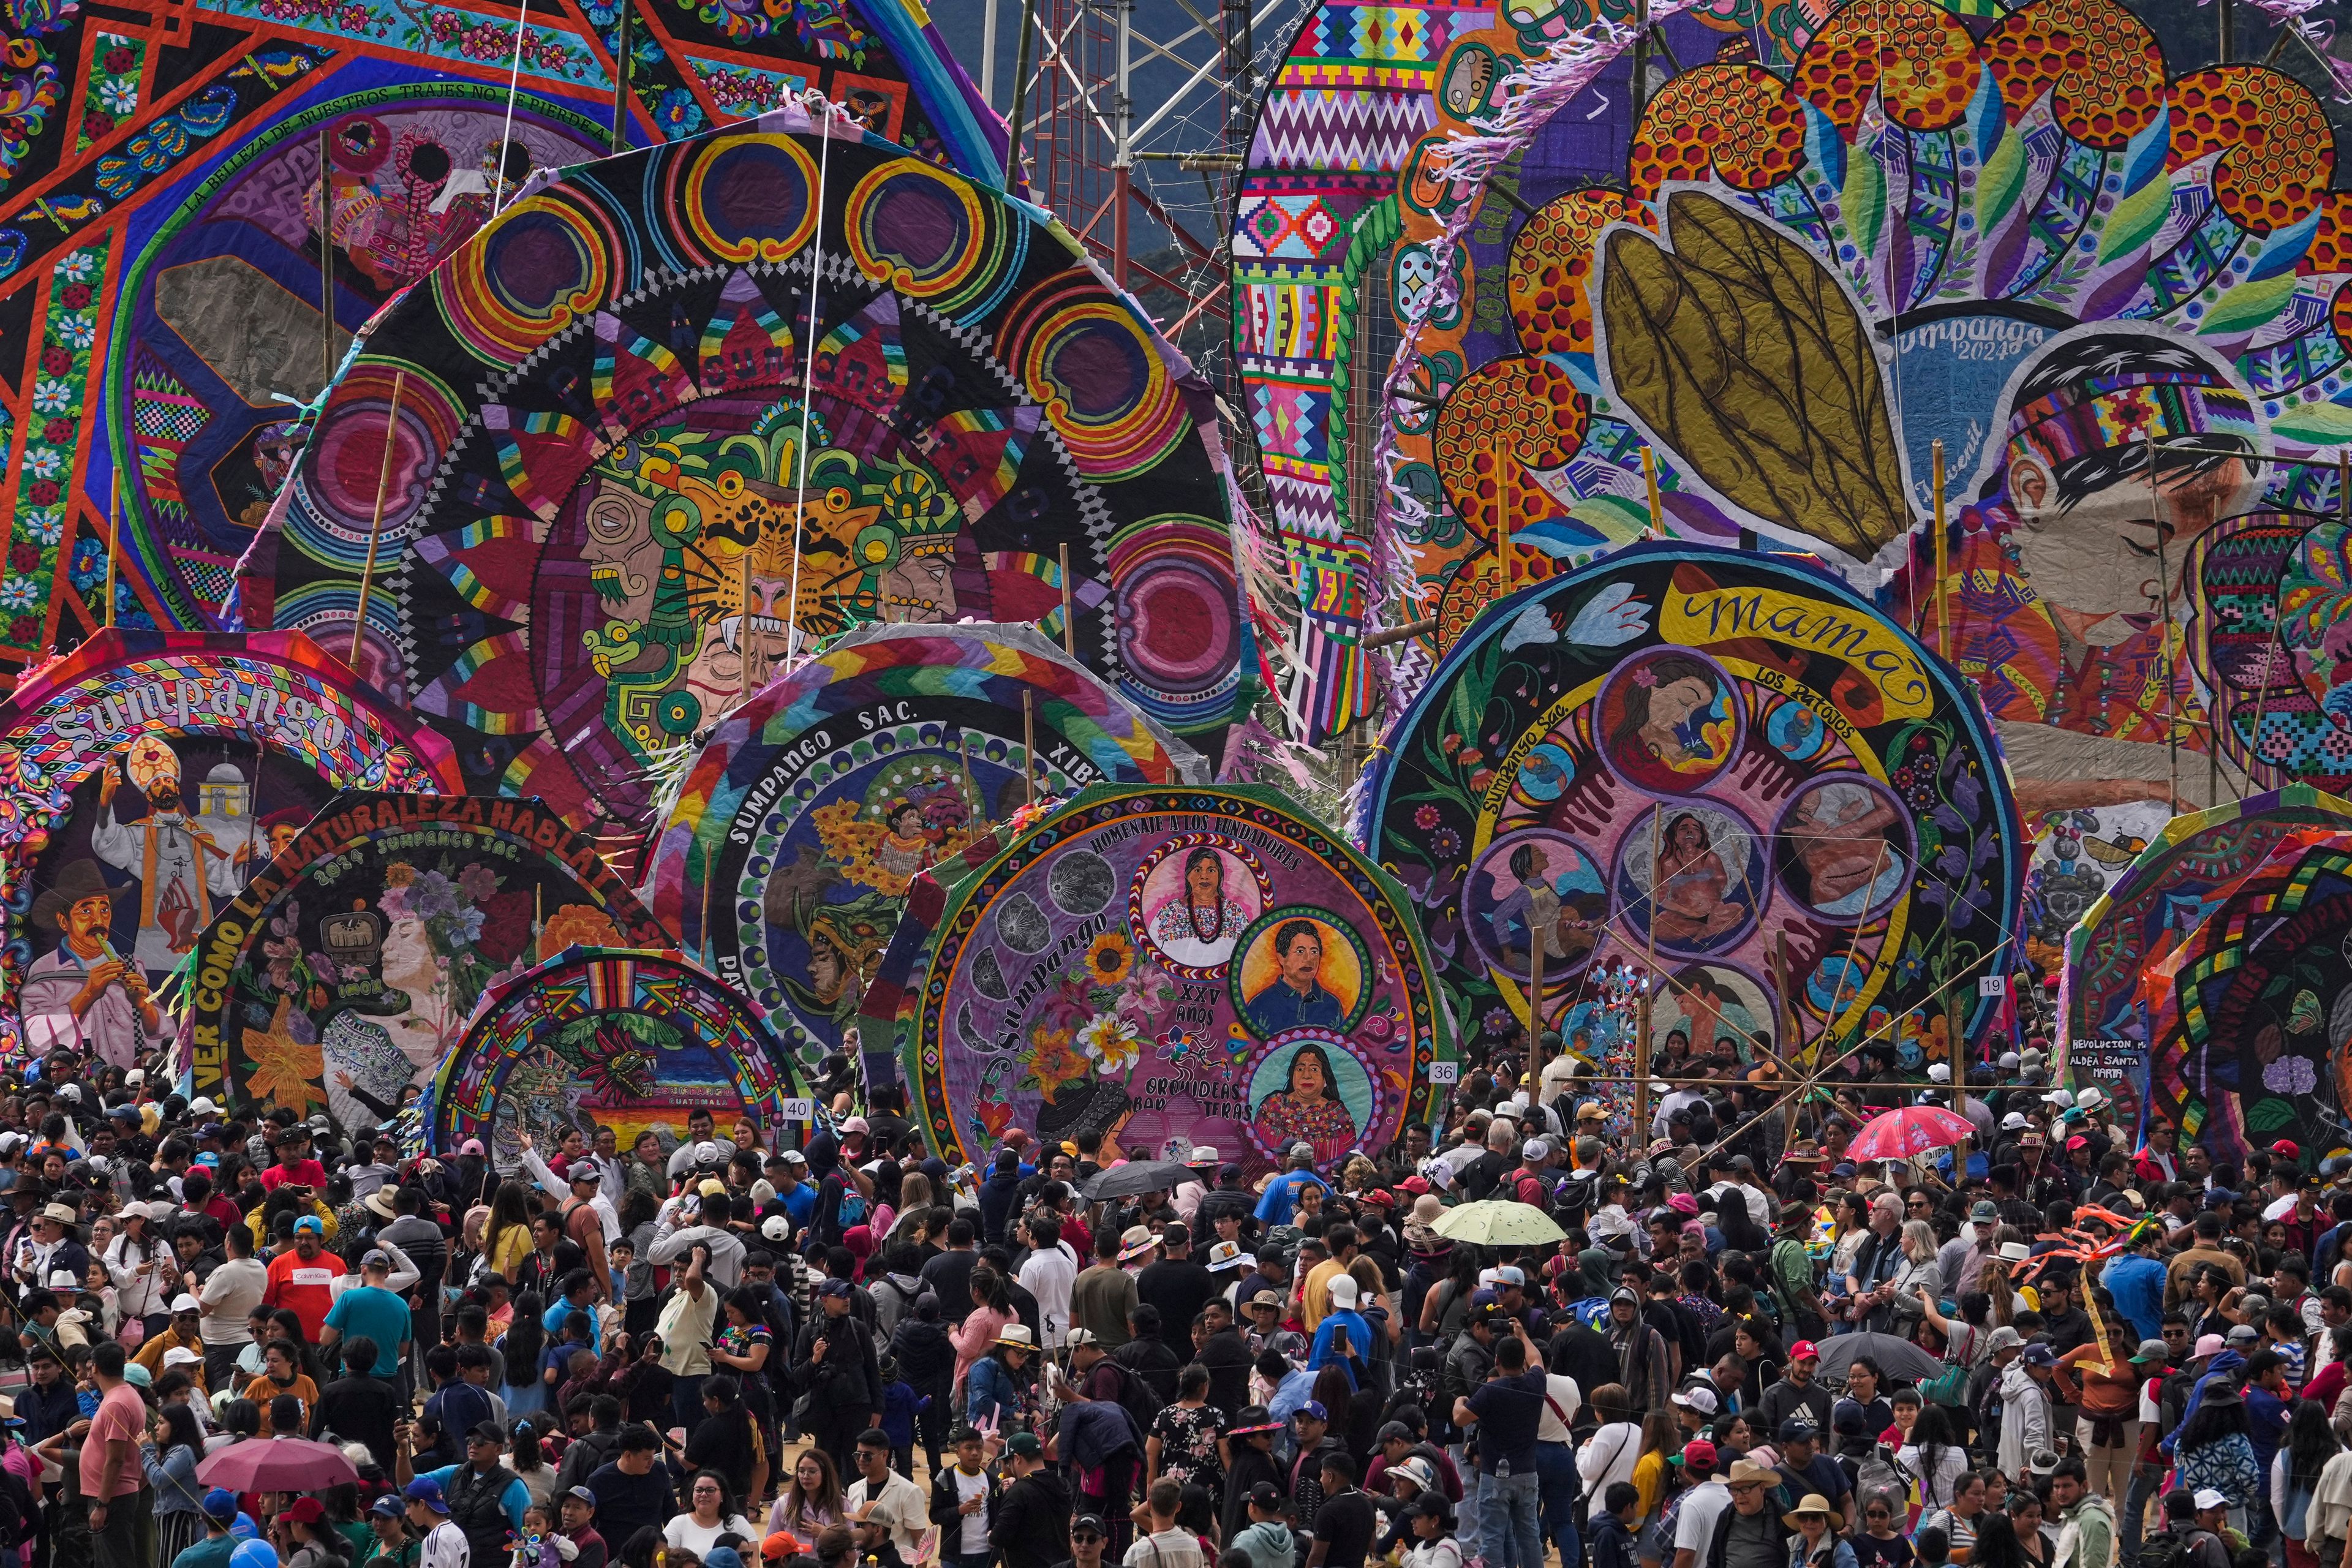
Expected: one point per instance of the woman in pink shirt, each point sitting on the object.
(976, 1335)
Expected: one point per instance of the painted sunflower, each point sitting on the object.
(1109, 958)
(1053, 1061)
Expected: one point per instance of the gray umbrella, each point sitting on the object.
(1899, 1359)
(1139, 1176)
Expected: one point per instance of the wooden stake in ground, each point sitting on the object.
(1069, 611)
(114, 542)
(375, 524)
(327, 250)
(1943, 559)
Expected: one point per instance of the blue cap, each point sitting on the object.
(310, 1223)
(1313, 1410)
(427, 1490)
(722, 1557)
(827, 1288)
(386, 1507)
(220, 1505)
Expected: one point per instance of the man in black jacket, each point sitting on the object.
(836, 1364)
(1033, 1514)
(1227, 1356)
(593, 1448)
(360, 1408)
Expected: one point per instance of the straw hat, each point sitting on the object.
(1813, 1502)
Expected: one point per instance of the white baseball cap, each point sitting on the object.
(1343, 1290)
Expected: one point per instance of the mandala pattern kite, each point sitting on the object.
(602, 519)
(2249, 1017)
(1730, 761)
(1158, 969)
(788, 856)
(143, 778)
(2169, 889)
(596, 1037)
(200, 203)
(342, 975)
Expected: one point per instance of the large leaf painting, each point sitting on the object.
(1747, 356)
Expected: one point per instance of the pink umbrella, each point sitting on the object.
(276, 1465)
(1907, 1133)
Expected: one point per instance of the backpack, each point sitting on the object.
(2164, 1550)
(1136, 1396)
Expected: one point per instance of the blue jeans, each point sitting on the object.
(1465, 1517)
(686, 1403)
(1561, 1489)
(1507, 1508)
(2146, 1482)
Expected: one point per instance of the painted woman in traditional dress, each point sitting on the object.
(1198, 928)
(1308, 1111)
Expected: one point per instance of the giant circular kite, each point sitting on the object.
(2250, 1015)
(1726, 764)
(340, 978)
(2176, 882)
(1165, 968)
(602, 522)
(144, 778)
(595, 1037)
(788, 855)
(177, 288)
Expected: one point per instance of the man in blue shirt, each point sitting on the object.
(1281, 1194)
(2137, 1282)
(368, 1311)
(1507, 1410)
(1343, 1317)
(789, 1174)
(578, 1295)
(1298, 995)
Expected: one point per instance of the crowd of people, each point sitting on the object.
(2056, 1348)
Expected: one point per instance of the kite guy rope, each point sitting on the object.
(808, 371)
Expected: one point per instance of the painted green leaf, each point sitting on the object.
(2002, 177)
(2249, 305)
(2137, 217)
(2269, 1115)
(1863, 202)
(2314, 424)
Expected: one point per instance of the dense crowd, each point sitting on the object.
(2053, 1348)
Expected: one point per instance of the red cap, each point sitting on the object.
(1698, 1458)
(780, 1546)
(1804, 1350)
(2077, 1142)
(1381, 1196)
(1416, 1185)
(2288, 1149)
(304, 1511)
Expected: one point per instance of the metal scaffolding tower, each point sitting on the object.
(1119, 106)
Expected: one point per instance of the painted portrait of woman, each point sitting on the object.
(1708, 882)
(1198, 927)
(1669, 722)
(1308, 1110)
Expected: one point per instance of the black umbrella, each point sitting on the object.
(1898, 1359)
(1139, 1176)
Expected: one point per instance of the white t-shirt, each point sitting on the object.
(444, 1547)
(976, 1524)
(1551, 1424)
(685, 1534)
(1695, 1526)
(1049, 1276)
(231, 1291)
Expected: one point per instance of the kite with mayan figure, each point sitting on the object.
(628, 475)
(201, 202)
